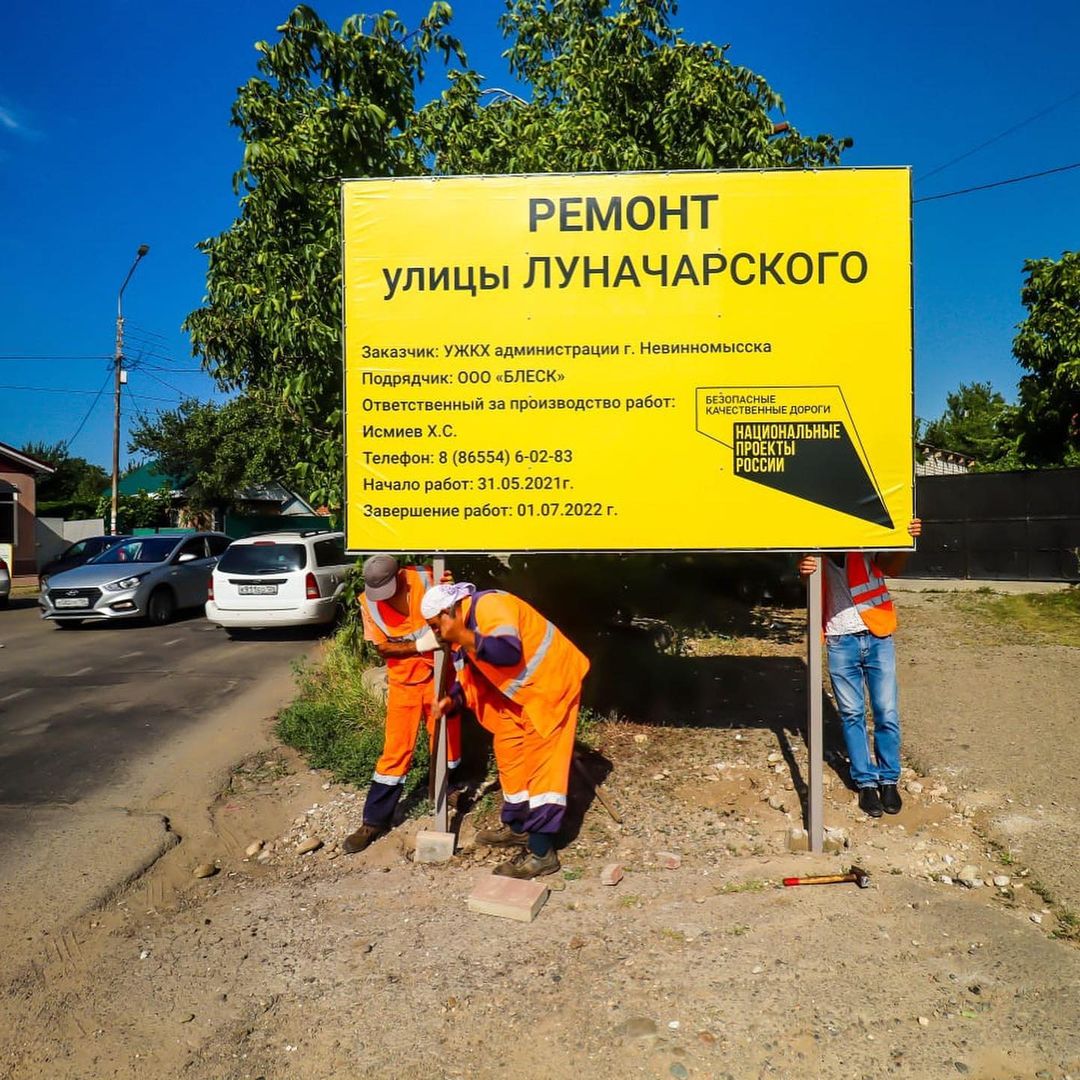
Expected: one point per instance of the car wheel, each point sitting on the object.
(161, 608)
(68, 624)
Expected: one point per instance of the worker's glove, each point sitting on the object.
(427, 641)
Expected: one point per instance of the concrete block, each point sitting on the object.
(508, 898)
(612, 874)
(798, 840)
(434, 847)
(834, 841)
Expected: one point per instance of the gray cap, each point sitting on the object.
(380, 577)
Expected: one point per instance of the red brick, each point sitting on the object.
(507, 897)
(612, 874)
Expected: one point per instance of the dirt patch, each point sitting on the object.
(286, 965)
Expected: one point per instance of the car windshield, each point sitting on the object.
(263, 557)
(143, 549)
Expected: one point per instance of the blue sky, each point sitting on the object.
(114, 131)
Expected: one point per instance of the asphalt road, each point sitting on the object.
(80, 708)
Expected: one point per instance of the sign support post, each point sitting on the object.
(439, 765)
(815, 740)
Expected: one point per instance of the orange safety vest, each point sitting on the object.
(549, 676)
(382, 622)
(871, 596)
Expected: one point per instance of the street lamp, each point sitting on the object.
(119, 366)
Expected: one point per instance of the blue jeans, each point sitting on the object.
(857, 663)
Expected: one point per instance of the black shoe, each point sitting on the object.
(870, 801)
(891, 802)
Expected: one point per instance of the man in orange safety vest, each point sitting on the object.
(522, 678)
(858, 620)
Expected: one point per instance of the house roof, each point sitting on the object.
(27, 461)
(148, 478)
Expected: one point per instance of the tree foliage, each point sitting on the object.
(610, 87)
(1046, 421)
(217, 449)
(73, 489)
(972, 424)
(324, 105)
(143, 510)
(612, 91)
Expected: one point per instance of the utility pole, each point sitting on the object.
(119, 373)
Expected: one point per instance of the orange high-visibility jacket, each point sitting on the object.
(549, 675)
(868, 590)
(382, 623)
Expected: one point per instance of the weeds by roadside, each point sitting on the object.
(337, 723)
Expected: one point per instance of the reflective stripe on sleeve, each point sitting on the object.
(534, 662)
(516, 797)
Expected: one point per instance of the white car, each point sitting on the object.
(279, 579)
(5, 583)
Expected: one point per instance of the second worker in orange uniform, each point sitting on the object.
(393, 623)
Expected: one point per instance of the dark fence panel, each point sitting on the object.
(1011, 526)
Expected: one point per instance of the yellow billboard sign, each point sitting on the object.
(629, 362)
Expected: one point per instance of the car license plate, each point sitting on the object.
(72, 601)
(257, 590)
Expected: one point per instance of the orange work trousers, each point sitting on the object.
(534, 772)
(406, 706)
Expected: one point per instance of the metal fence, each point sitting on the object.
(1010, 526)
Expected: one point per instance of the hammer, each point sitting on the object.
(856, 874)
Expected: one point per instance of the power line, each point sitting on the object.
(998, 183)
(93, 405)
(175, 389)
(1001, 135)
(55, 390)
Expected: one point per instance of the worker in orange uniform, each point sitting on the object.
(390, 606)
(522, 678)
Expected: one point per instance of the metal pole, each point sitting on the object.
(441, 816)
(118, 364)
(815, 803)
(118, 367)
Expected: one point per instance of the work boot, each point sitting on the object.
(526, 865)
(503, 836)
(891, 802)
(364, 837)
(870, 801)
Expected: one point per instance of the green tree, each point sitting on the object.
(971, 424)
(143, 510)
(1046, 421)
(324, 105)
(612, 87)
(218, 449)
(622, 90)
(73, 489)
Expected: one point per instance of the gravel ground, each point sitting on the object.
(316, 965)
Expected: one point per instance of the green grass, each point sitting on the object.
(753, 885)
(1041, 890)
(1053, 618)
(1068, 925)
(337, 725)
